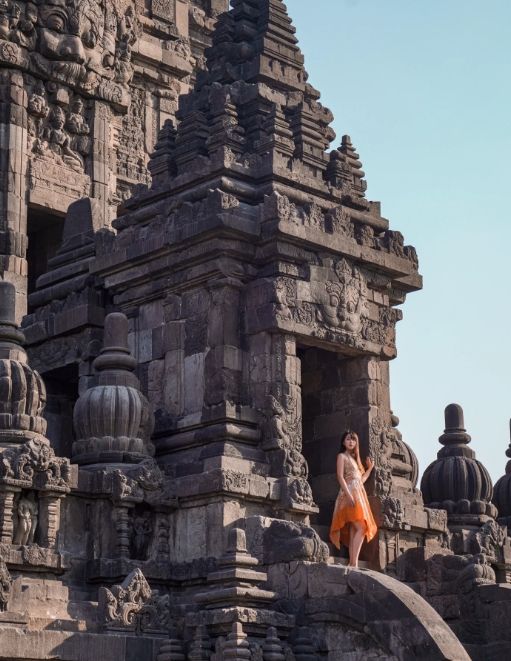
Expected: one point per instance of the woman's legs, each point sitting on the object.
(357, 532)
(350, 547)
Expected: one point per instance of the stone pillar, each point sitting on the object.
(49, 518)
(163, 538)
(100, 158)
(13, 166)
(6, 516)
(275, 389)
(122, 527)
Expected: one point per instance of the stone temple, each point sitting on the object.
(197, 298)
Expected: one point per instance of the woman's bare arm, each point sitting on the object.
(370, 466)
(340, 478)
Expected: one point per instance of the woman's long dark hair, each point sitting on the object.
(356, 452)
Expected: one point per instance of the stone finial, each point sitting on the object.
(200, 647)
(345, 170)
(456, 481)
(455, 432)
(237, 579)
(254, 44)
(172, 649)
(264, 47)
(161, 163)
(115, 363)
(111, 419)
(272, 647)
(236, 647)
(22, 391)
(502, 490)
(303, 646)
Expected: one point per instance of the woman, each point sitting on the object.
(352, 519)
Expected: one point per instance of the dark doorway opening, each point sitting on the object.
(44, 231)
(326, 409)
(61, 393)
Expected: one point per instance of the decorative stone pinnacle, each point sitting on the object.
(256, 29)
(237, 579)
(161, 163)
(237, 553)
(272, 647)
(112, 420)
(456, 481)
(455, 432)
(115, 356)
(22, 391)
(502, 491)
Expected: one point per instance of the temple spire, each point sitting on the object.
(256, 42)
(251, 109)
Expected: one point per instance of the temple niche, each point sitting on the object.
(212, 299)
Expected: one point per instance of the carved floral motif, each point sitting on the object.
(233, 481)
(284, 424)
(133, 605)
(120, 605)
(34, 465)
(5, 586)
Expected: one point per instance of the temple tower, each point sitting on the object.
(261, 288)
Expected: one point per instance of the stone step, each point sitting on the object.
(343, 562)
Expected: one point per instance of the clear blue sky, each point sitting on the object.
(424, 89)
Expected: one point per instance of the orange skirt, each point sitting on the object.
(344, 514)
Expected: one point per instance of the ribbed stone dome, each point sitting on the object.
(121, 413)
(22, 391)
(502, 490)
(456, 481)
(403, 459)
(111, 419)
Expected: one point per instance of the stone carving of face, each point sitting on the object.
(79, 41)
(57, 118)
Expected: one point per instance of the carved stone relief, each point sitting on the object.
(133, 605)
(35, 466)
(142, 528)
(284, 423)
(5, 586)
(335, 302)
(131, 152)
(83, 44)
(344, 302)
(25, 520)
(59, 129)
(120, 605)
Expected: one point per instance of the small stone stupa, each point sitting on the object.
(456, 481)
